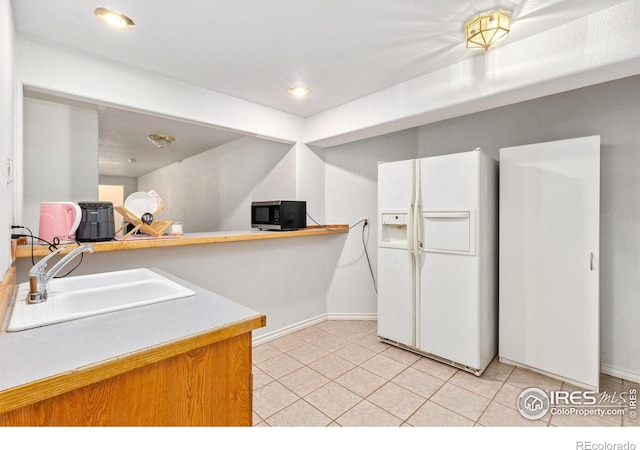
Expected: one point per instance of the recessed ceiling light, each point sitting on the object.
(299, 91)
(114, 18)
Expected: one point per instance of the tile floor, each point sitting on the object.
(337, 373)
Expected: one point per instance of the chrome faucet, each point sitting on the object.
(38, 277)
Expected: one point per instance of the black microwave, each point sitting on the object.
(279, 215)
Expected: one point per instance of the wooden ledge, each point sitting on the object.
(36, 391)
(7, 286)
(24, 251)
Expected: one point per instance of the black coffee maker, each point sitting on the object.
(97, 223)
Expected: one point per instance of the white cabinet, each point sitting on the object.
(549, 254)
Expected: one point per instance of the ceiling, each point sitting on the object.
(256, 49)
(124, 148)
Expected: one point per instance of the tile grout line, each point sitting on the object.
(445, 381)
(306, 365)
(367, 334)
(477, 422)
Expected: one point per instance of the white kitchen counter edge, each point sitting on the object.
(31, 355)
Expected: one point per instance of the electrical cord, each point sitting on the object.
(365, 223)
(52, 246)
(75, 267)
(364, 245)
(19, 227)
(334, 229)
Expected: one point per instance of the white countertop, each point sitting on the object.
(31, 355)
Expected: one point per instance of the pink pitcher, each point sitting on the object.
(59, 219)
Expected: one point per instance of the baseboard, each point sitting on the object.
(352, 316)
(620, 373)
(547, 374)
(257, 340)
(264, 338)
(604, 368)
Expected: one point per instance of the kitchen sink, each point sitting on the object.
(90, 295)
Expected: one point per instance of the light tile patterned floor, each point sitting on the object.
(337, 373)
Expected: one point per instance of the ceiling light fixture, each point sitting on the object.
(114, 18)
(161, 140)
(299, 91)
(488, 29)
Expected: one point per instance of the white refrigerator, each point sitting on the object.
(437, 257)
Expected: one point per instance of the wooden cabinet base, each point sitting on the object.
(206, 386)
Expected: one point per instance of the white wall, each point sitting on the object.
(286, 279)
(611, 110)
(44, 68)
(6, 131)
(213, 191)
(60, 156)
(74, 75)
(351, 180)
(310, 181)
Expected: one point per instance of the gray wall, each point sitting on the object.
(351, 184)
(60, 148)
(213, 191)
(6, 130)
(270, 276)
(611, 110)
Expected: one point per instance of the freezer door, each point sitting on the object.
(396, 300)
(395, 185)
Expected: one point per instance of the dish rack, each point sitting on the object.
(155, 228)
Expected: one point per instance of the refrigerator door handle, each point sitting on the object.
(410, 230)
(417, 207)
(417, 224)
(447, 215)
